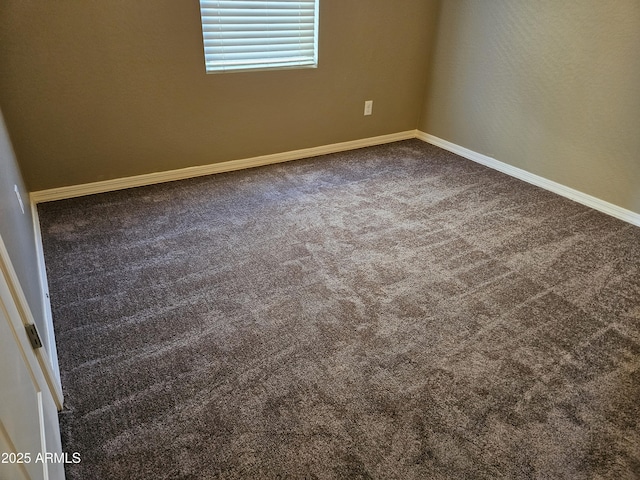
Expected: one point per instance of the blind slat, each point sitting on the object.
(291, 19)
(273, 5)
(265, 27)
(266, 56)
(248, 34)
(256, 12)
(256, 42)
(258, 47)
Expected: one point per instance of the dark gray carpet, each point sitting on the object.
(390, 312)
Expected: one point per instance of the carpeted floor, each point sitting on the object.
(394, 312)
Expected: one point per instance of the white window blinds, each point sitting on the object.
(259, 34)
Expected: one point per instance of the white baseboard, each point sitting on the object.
(190, 172)
(575, 195)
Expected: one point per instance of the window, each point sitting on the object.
(259, 34)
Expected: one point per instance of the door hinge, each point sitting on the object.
(34, 337)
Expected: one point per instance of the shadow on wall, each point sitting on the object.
(16, 230)
(549, 88)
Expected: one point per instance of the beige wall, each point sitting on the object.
(100, 90)
(552, 87)
(16, 230)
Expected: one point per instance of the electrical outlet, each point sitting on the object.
(15, 189)
(368, 107)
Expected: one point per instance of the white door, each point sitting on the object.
(29, 434)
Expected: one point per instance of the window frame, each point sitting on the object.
(270, 60)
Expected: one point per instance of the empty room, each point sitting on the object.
(319, 239)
